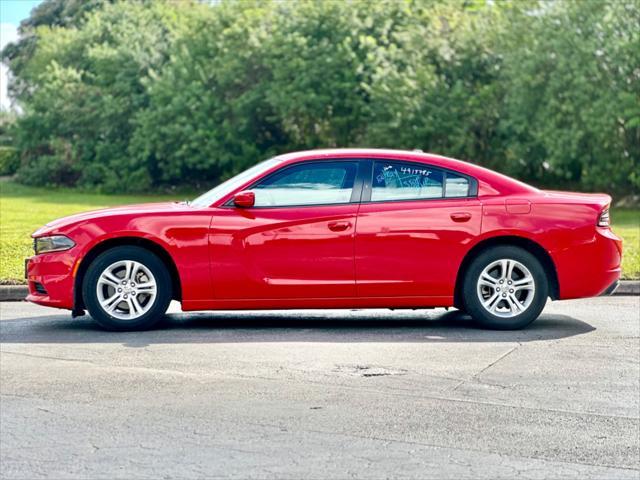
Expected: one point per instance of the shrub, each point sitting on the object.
(9, 160)
(49, 171)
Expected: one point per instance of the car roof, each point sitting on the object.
(356, 153)
(502, 183)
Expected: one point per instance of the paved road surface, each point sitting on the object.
(311, 394)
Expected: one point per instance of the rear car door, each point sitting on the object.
(414, 227)
(297, 240)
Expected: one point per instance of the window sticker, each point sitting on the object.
(406, 181)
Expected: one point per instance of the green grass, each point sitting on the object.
(25, 209)
(626, 223)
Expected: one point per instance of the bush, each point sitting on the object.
(49, 171)
(9, 160)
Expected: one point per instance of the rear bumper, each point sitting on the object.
(590, 268)
(611, 288)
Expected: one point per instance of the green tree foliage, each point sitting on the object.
(134, 95)
(9, 159)
(207, 115)
(572, 94)
(440, 91)
(60, 13)
(86, 86)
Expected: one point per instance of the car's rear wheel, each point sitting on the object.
(505, 288)
(127, 288)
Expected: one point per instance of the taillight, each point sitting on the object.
(604, 220)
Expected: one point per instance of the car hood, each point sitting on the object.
(140, 209)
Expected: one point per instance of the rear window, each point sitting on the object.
(405, 181)
(394, 180)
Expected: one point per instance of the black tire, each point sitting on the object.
(471, 298)
(159, 304)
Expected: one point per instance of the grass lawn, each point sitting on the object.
(626, 223)
(25, 209)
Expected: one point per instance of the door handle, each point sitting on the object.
(339, 226)
(461, 216)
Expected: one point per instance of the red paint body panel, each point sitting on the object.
(413, 248)
(369, 254)
(282, 252)
(180, 230)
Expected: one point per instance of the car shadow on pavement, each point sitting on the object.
(340, 326)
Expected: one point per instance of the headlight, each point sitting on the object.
(52, 243)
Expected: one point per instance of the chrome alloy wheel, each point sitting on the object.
(506, 288)
(126, 289)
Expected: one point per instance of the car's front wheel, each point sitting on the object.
(505, 288)
(127, 288)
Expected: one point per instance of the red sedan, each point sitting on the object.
(350, 228)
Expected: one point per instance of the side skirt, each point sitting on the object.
(318, 303)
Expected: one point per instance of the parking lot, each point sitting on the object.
(315, 394)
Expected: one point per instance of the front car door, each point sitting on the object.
(414, 225)
(298, 239)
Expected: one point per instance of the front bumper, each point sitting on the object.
(50, 279)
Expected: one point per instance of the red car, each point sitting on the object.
(354, 228)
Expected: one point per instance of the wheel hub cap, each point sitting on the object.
(506, 288)
(126, 290)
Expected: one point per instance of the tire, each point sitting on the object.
(122, 305)
(487, 301)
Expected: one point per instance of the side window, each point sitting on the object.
(321, 183)
(405, 181)
(456, 186)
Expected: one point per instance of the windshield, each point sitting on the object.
(226, 187)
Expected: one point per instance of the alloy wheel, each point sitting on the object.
(126, 289)
(506, 288)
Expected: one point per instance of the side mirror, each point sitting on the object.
(244, 199)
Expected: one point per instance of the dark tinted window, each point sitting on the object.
(321, 183)
(405, 181)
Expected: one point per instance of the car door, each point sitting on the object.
(296, 241)
(413, 228)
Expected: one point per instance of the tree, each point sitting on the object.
(572, 109)
(86, 85)
(50, 13)
(135, 95)
(208, 116)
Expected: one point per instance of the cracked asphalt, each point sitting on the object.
(322, 394)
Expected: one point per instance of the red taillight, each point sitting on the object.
(604, 220)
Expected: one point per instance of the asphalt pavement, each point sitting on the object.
(322, 394)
